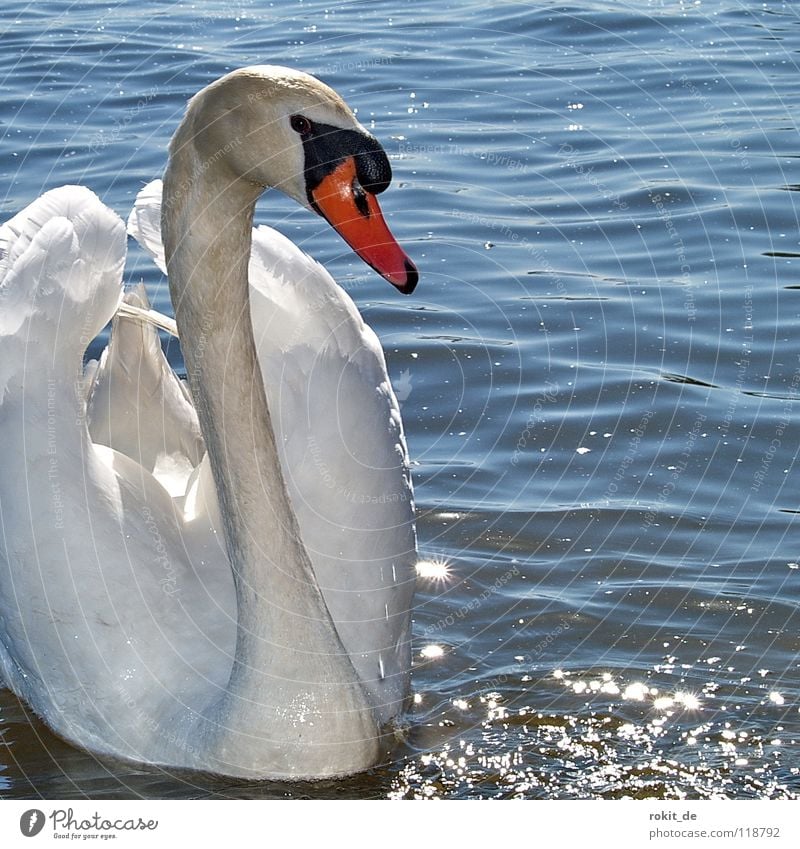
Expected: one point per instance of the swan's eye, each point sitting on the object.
(300, 124)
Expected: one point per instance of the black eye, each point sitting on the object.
(300, 124)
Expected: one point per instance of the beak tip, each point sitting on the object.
(412, 278)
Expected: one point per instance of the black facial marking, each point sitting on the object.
(325, 148)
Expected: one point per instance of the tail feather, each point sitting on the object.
(138, 405)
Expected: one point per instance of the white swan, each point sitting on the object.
(247, 613)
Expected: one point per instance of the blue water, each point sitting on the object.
(599, 371)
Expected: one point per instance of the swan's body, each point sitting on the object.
(243, 610)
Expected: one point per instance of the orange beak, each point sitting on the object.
(355, 215)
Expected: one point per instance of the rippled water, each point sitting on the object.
(600, 369)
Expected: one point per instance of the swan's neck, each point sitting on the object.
(292, 684)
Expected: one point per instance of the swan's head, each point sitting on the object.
(277, 127)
